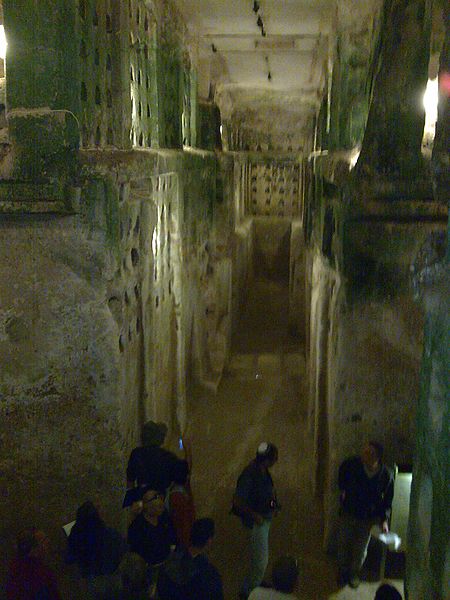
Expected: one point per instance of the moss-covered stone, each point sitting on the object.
(428, 569)
(393, 137)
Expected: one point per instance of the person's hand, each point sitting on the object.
(136, 508)
(385, 526)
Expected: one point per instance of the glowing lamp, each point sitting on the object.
(3, 42)
(430, 103)
(430, 99)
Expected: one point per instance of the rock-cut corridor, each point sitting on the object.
(183, 185)
(263, 396)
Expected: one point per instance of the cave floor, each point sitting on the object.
(263, 396)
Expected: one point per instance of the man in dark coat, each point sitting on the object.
(188, 574)
(255, 502)
(151, 534)
(366, 490)
(150, 465)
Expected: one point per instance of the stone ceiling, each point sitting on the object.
(266, 62)
(257, 54)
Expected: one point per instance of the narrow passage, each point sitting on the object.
(263, 396)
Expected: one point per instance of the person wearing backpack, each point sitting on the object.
(188, 574)
(255, 502)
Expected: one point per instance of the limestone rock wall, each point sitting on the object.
(428, 567)
(102, 313)
(363, 327)
(365, 350)
(243, 239)
(121, 259)
(60, 403)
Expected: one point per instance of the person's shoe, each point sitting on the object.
(354, 581)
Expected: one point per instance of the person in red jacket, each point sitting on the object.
(180, 503)
(29, 578)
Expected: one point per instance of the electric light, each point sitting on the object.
(155, 242)
(430, 103)
(354, 157)
(3, 42)
(430, 100)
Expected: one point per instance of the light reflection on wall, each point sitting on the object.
(3, 42)
(430, 102)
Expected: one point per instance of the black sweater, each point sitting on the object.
(150, 542)
(366, 497)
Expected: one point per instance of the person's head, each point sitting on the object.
(152, 503)
(88, 517)
(180, 472)
(372, 455)
(285, 574)
(153, 434)
(32, 542)
(133, 573)
(202, 533)
(387, 592)
(267, 454)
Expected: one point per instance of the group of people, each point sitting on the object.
(165, 555)
(366, 491)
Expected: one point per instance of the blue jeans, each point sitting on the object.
(259, 556)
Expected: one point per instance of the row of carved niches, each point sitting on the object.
(99, 63)
(125, 298)
(142, 74)
(147, 226)
(165, 190)
(187, 108)
(274, 190)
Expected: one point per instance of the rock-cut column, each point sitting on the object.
(391, 147)
(42, 98)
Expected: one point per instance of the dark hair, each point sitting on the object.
(379, 450)
(387, 592)
(202, 531)
(26, 541)
(86, 537)
(180, 472)
(148, 488)
(270, 454)
(87, 516)
(285, 574)
(153, 434)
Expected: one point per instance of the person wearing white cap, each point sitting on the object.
(255, 502)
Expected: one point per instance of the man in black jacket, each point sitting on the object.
(188, 574)
(149, 464)
(255, 501)
(367, 488)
